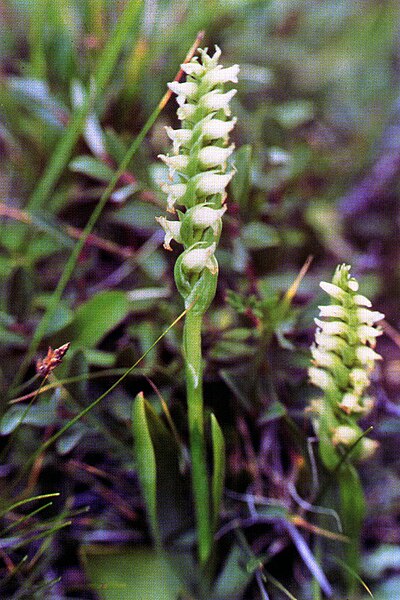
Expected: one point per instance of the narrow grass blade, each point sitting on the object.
(218, 475)
(105, 67)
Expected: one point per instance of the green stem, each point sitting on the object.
(194, 387)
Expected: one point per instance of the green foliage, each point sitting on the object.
(81, 261)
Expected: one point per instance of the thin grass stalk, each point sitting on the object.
(105, 68)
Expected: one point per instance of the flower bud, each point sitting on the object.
(350, 404)
(186, 112)
(352, 284)
(359, 380)
(210, 61)
(368, 448)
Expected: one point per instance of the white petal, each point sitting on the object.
(333, 290)
(175, 191)
(216, 129)
(332, 327)
(198, 259)
(330, 342)
(367, 356)
(188, 89)
(220, 75)
(368, 334)
(215, 100)
(321, 378)
(179, 137)
(172, 231)
(212, 156)
(334, 310)
(361, 300)
(193, 68)
(213, 183)
(369, 317)
(323, 358)
(205, 216)
(179, 161)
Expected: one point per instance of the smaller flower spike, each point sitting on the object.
(343, 359)
(53, 358)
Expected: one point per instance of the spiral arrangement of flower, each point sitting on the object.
(343, 359)
(198, 174)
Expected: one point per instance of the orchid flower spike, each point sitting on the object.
(199, 170)
(343, 358)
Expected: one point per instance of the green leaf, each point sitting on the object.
(229, 350)
(138, 215)
(160, 472)
(257, 236)
(145, 461)
(97, 317)
(234, 576)
(131, 574)
(218, 474)
(39, 415)
(275, 411)
(71, 438)
(92, 167)
(294, 113)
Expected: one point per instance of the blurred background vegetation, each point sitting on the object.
(318, 159)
